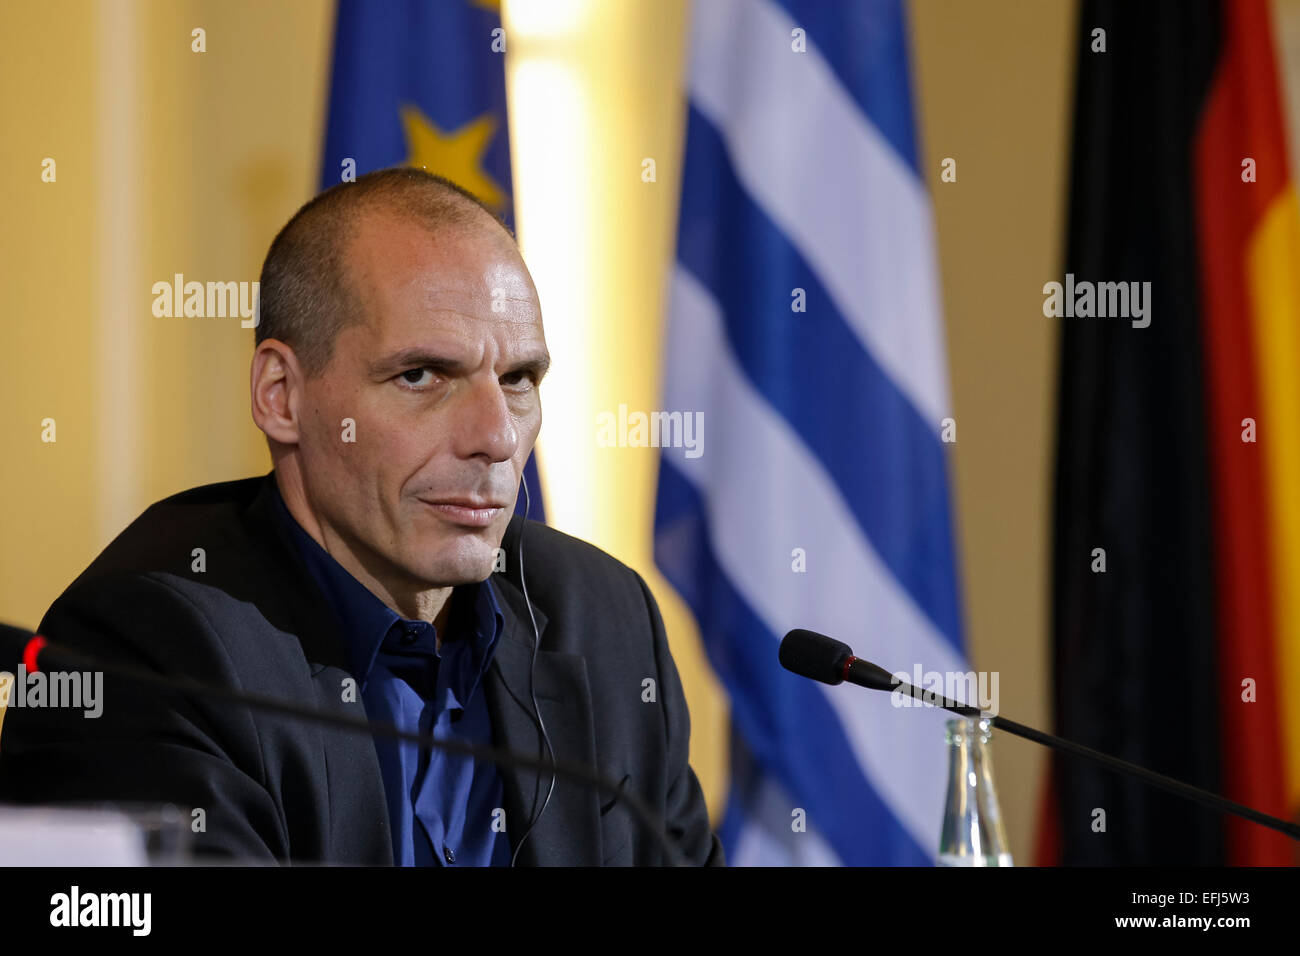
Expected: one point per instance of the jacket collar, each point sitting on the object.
(317, 629)
(568, 832)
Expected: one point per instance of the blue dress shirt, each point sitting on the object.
(444, 808)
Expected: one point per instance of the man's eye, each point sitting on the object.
(517, 378)
(415, 376)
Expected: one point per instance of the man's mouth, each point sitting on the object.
(469, 512)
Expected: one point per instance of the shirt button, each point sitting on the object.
(448, 855)
(409, 635)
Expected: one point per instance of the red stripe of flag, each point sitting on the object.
(1242, 119)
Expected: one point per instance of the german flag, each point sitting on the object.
(1176, 577)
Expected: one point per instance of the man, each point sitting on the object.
(378, 571)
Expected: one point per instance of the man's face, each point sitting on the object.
(441, 381)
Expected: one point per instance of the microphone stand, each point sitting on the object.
(1169, 784)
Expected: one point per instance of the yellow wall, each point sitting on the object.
(47, 257)
(168, 161)
(995, 83)
(189, 162)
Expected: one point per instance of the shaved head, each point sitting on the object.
(308, 295)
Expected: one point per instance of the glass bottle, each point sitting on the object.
(973, 834)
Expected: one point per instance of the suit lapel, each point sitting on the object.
(568, 833)
(358, 775)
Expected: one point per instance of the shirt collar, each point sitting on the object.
(366, 620)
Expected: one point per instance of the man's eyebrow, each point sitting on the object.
(422, 358)
(415, 358)
(536, 366)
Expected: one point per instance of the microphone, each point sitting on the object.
(36, 653)
(825, 659)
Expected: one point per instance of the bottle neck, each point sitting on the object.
(973, 833)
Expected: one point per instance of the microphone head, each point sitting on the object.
(814, 655)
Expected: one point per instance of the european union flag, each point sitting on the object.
(423, 84)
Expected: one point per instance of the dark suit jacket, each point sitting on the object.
(274, 787)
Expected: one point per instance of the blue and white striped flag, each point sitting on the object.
(805, 324)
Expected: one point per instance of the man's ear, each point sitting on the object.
(275, 386)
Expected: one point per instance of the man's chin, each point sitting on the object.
(467, 563)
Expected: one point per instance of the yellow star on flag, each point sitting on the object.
(457, 155)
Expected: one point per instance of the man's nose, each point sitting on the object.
(485, 425)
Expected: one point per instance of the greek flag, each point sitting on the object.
(805, 324)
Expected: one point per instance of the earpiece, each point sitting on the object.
(532, 676)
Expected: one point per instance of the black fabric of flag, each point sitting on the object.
(1134, 647)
